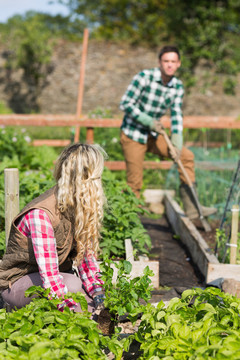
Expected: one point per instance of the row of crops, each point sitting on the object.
(201, 325)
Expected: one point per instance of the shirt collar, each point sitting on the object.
(158, 77)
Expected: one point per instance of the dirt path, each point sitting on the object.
(176, 268)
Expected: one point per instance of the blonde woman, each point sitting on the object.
(58, 228)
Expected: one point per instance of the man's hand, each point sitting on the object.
(177, 142)
(175, 153)
(157, 126)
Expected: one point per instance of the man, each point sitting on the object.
(151, 93)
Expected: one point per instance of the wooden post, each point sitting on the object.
(129, 250)
(234, 234)
(81, 83)
(11, 183)
(90, 135)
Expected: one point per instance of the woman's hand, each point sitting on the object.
(98, 300)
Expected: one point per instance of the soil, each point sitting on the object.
(176, 270)
(209, 237)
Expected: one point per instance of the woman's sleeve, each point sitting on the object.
(36, 225)
(89, 273)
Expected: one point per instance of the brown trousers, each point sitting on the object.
(134, 153)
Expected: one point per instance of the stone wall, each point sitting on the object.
(109, 69)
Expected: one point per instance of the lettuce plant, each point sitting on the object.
(203, 324)
(125, 294)
(40, 331)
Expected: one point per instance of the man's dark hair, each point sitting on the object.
(167, 49)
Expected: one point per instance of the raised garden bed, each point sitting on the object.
(201, 251)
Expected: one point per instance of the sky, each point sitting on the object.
(8, 8)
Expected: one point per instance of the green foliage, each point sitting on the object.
(121, 220)
(63, 27)
(223, 250)
(4, 109)
(32, 184)
(13, 141)
(39, 330)
(229, 86)
(206, 30)
(221, 240)
(108, 138)
(212, 186)
(134, 20)
(124, 296)
(203, 324)
(29, 44)
(39, 292)
(35, 169)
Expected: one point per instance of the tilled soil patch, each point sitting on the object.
(176, 269)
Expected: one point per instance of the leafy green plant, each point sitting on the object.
(30, 45)
(121, 220)
(39, 330)
(124, 295)
(223, 250)
(229, 86)
(203, 324)
(4, 109)
(34, 164)
(13, 142)
(221, 240)
(32, 184)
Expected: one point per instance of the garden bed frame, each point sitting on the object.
(139, 265)
(202, 256)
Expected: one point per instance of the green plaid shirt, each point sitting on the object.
(147, 94)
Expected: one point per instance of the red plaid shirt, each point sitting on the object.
(36, 225)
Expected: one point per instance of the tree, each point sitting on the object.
(206, 30)
(30, 40)
(139, 21)
(202, 29)
(29, 45)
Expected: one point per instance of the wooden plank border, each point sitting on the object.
(138, 266)
(202, 256)
(222, 271)
(183, 227)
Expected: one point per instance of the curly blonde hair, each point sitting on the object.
(78, 173)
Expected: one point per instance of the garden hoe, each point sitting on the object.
(204, 222)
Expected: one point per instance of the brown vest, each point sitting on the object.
(19, 258)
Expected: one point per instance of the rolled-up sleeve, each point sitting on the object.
(176, 112)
